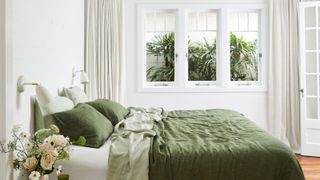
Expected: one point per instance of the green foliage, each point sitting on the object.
(42, 134)
(63, 155)
(202, 59)
(162, 46)
(80, 142)
(54, 129)
(243, 55)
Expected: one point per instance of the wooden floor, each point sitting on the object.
(310, 166)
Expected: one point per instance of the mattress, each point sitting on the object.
(86, 163)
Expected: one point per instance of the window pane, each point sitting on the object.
(312, 106)
(160, 42)
(202, 45)
(243, 22)
(311, 40)
(311, 84)
(311, 62)
(244, 52)
(310, 17)
(253, 22)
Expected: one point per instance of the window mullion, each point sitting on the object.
(181, 48)
(224, 49)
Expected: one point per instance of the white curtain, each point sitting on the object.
(284, 102)
(104, 48)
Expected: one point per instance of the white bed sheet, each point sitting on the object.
(86, 163)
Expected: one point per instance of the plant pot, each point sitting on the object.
(63, 177)
(44, 177)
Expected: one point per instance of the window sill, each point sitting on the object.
(203, 89)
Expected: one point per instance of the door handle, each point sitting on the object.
(302, 92)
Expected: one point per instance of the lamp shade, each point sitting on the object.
(84, 78)
(43, 95)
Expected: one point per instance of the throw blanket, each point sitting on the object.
(129, 151)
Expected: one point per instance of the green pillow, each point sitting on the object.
(115, 112)
(85, 121)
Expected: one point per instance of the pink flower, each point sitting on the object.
(46, 147)
(48, 159)
(30, 164)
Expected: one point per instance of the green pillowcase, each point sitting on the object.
(85, 121)
(115, 112)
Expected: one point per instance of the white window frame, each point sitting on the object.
(260, 48)
(143, 56)
(203, 84)
(223, 82)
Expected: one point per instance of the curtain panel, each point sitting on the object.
(284, 97)
(104, 49)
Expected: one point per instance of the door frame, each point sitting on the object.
(6, 86)
(2, 86)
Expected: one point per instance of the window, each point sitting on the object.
(244, 46)
(202, 34)
(160, 46)
(202, 47)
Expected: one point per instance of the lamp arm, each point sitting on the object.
(74, 72)
(32, 83)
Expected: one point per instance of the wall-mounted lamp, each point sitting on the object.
(43, 95)
(83, 76)
(22, 82)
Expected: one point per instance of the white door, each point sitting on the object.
(309, 28)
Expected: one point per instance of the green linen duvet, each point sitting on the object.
(217, 145)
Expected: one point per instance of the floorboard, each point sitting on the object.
(310, 166)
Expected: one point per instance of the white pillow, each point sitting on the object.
(76, 95)
(58, 104)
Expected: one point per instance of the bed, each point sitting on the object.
(213, 144)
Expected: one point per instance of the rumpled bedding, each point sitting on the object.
(131, 140)
(214, 144)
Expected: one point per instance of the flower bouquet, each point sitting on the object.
(36, 155)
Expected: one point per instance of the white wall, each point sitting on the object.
(46, 42)
(252, 104)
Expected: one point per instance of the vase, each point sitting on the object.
(44, 177)
(63, 177)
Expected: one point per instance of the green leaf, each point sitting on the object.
(42, 134)
(80, 142)
(54, 129)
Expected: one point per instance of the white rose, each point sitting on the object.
(30, 164)
(48, 159)
(59, 140)
(35, 175)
